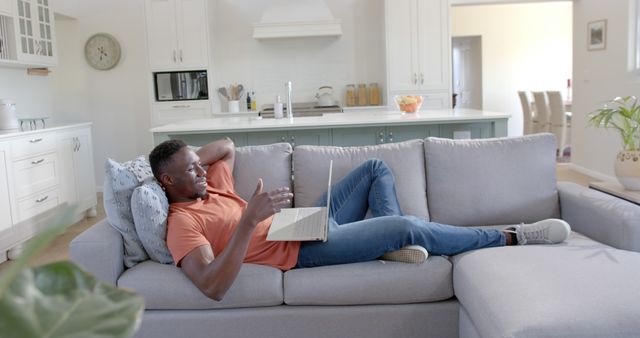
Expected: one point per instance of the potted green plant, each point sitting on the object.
(624, 116)
(61, 300)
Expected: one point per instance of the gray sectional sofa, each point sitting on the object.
(586, 287)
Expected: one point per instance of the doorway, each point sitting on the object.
(467, 71)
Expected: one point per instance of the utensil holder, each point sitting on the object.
(234, 106)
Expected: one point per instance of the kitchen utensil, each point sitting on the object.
(324, 96)
(240, 91)
(223, 92)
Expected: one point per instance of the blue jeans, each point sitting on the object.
(354, 239)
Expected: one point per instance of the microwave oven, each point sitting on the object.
(181, 85)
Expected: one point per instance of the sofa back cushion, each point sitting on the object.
(270, 162)
(406, 160)
(491, 181)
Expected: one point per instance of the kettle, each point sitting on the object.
(324, 97)
(8, 119)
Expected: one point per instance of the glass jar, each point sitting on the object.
(351, 95)
(374, 94)
(362, 94)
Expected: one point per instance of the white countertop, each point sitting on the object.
(4, 134)
(333, 120)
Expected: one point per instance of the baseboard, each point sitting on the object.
(589, 172)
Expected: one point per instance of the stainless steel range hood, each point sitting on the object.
(297, 18)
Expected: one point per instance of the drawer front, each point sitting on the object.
(32, 145)
(38, 203)
(35, 174)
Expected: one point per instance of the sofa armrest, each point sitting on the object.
(99, 250)
(604, 218)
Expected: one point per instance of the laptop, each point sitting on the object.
(302, 224)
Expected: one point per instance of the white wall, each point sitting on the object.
(117, 100)
(30, 93)
(265, 65)
(525, 47)
(599, 76)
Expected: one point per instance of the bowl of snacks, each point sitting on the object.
(408, 103)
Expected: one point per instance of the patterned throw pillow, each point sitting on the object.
(150, 207)
(119, 182)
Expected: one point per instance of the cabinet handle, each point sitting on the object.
(181, 56)
(35, 140)
(421, 78)
(415, 78)
(181, 106)
(38, 161)
(174, 56)
(390, 137)
(79, 144)
(283, 139)
(40, 200)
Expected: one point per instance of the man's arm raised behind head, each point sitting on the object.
(218, 150)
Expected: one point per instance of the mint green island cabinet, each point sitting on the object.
(339, 129)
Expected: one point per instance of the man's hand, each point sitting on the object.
(264, 204)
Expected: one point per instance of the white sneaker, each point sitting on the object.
(408, 254)
(547, 231)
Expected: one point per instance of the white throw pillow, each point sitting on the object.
(150, 208)
(119, 182)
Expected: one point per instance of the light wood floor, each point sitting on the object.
(59, 250)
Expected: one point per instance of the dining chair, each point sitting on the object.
(527, 117)
(542, 112)
(558, 118)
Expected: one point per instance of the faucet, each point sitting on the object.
(289, 105)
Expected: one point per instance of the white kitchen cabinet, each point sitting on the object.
(6, 7)
(177, 34)
(78, 186)
(40, 170)
(418, 47)
(35, 33)
(5, 202)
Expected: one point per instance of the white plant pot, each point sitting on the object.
(627, 168)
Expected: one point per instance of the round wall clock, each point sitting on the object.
(102, 51)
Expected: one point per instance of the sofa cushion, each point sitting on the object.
(406, 160)
(150, 207)
(119, 182)
(165, 287)
(270, 162)
(375, 282)
(491, 181)
(578, 289)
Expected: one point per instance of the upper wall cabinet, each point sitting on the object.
(27, 34)
(177, 34)
(418, 47)
(35, 32)
(5, 7)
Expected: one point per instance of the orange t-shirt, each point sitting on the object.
(213, 220)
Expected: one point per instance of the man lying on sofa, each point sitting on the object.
(208, 220)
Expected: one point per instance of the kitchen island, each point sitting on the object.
(352, 128)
